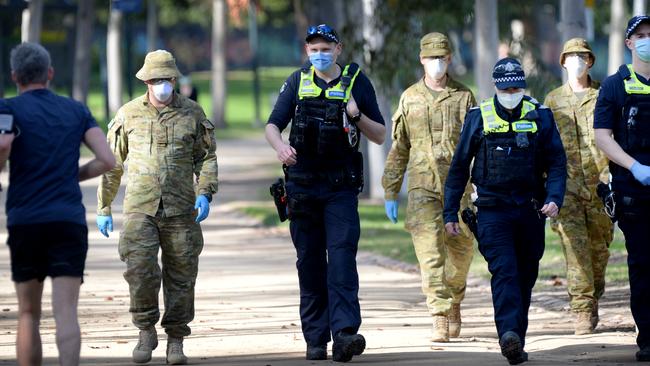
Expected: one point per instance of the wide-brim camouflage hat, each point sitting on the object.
(434, 45)
(576, 45)
(159, 64)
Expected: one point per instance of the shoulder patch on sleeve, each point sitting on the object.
(207, 124)
(283, 87)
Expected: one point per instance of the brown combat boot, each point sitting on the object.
(175, 354)
(146, 344)
(594, 315)
(583, 323)
(440, 331)
(454, 321)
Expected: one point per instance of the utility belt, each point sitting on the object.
(493, 202)
(347, 174)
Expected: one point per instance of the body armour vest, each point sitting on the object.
(320, 128)
(633, 131)
(507, 157)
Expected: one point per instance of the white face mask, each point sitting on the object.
(436, 68)
(575, 66)
(162, 91)
(510, 101)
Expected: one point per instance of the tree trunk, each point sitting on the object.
(152, 25)
(487, 44)
(219, 63)
(32, 21)
(572, 14)
(639, 7)
(375, 154)
(82, 59)
(253, 41)
(114, 61)
(616, 35)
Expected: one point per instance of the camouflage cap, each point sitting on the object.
(576, 45)
(434, 44)
(159, 64)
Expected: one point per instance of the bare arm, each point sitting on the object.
(374, 131)
(5, 148)
(104, 160)
(286, 154)
(605, 141)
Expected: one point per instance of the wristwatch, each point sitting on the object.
(355, 118)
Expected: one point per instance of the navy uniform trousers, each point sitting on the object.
(636, 228)
(511, 239)
(325, 231)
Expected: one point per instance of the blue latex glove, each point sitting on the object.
(641, 173)
(203, 206)
(391, 210)
(105, 224)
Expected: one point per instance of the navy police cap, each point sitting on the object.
(508, 73)
(634, 23)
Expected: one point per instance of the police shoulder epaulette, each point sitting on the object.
(534, 101)
(542, 106)
(475, 107)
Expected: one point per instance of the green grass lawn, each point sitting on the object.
(378, 235)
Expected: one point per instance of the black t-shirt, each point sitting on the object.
(608, 114)
(285, 107)
(611, 99)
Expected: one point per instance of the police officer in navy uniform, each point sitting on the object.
(328, 105)
(622, 132)
(520, 174)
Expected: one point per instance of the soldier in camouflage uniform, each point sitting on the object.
(583, 227)
(168, 140)
(426, 128)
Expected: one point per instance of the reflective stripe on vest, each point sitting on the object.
(633, 85)
(309, 89)
(492, 123)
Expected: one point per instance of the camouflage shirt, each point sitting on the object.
(165, 150)
(426, 130)
(586, 164)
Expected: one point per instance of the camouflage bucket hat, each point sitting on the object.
(434, 45)
(159, 64)
(576, 45)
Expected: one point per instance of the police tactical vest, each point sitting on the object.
(507, 157)
(319, 133)
(633, 133)
(318, 126)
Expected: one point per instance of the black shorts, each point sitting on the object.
(48, 249)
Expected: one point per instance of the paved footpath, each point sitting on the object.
(247, 298)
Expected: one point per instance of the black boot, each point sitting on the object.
(511, 348)
(316, 352)
(347, 345)
(643, 355)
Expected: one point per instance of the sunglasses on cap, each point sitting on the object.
(322, 29)
(508, 67)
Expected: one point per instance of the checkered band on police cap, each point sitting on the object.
(508, 73)
(634, 23)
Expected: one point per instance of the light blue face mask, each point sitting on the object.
(321, 60)
(642, 47)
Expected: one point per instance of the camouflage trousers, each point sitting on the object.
(444, 260)
(585, 232)
(181, 242)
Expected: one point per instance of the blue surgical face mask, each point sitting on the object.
(321, 60)
(642, 47)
